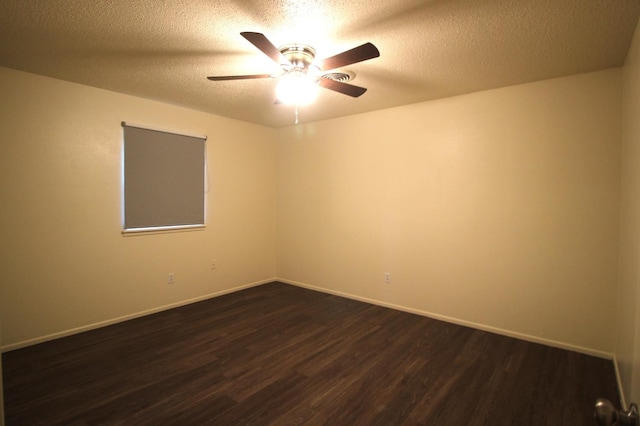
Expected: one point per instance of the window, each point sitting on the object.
(164, 180)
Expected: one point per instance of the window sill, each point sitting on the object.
(161, 230)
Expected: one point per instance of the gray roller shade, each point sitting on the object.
(164, 179)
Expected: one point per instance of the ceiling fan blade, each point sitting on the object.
(357, 54)
(344, 88)
(238, 77)
(261, 42)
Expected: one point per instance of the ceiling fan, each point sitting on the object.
(300, 67)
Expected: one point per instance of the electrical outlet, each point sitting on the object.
(387, 277)
(172, 278)
(213, 264)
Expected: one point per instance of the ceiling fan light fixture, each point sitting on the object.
(302, 74)
(297, 88)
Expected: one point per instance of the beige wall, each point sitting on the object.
(64, 261)
(628, 320)
(497, 209)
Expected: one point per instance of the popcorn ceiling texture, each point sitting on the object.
(429, 49)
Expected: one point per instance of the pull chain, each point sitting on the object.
(296, 114)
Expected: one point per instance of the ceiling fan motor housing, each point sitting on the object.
(300, 56)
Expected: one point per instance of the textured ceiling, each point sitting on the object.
(429, 49)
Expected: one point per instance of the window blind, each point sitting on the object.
(164, 179)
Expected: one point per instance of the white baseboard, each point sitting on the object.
(101, 324)
(508, 333)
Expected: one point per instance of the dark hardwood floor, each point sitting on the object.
(278, 354)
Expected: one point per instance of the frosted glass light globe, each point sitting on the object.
(296, 88)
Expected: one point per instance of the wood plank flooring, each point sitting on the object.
(282, 355)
